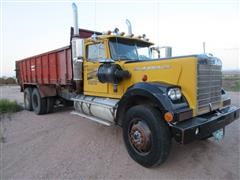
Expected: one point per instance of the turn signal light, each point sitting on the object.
(168, 116)
(226, 102)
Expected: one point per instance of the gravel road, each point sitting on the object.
(64, 146)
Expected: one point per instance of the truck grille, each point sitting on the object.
(209, 86)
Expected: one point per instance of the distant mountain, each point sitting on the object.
(231, 72)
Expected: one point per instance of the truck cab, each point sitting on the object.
(193, 75)
(111, 49)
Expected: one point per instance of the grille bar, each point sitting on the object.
(209, 87)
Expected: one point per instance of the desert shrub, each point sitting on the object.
(9, 106)
(10, 80)
(231, 84)
(2, 81)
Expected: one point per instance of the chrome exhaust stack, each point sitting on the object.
(129, 28)
(77, 51)
(168, 51)
(75, 19)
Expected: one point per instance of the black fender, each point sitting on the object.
(154, 94)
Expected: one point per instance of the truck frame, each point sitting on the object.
(113, 79)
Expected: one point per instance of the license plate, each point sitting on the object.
(219, 134)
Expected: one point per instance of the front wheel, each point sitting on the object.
(146, 136)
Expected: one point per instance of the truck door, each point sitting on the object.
(94, 52)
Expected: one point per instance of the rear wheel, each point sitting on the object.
(146, 136)
(50, 104)
(27, 99)
(39, 104)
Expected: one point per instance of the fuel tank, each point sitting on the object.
(101, 108)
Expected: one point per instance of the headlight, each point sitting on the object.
(174, 94)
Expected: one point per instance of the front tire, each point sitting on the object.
(39, 104)
(146, 136)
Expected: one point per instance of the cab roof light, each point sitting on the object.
(122, 33)
(94, 37)
(116, 31)
(106, 32)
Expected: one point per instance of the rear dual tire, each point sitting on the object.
(28, 99)
(39, 104)
(50, 104)
(34, 101)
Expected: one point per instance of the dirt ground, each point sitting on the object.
(64, 146)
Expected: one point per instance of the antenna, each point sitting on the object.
(204, 47)
(94, 31)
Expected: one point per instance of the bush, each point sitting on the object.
(231, 84)
(2, 81)
(9, 106)
(7, 80)
(10, 80)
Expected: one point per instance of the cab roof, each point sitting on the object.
(105, 36)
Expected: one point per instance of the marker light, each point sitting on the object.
(116, 31)
(168, 116)
(122, 33)
(144, 77)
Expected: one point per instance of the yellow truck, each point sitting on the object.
(115, 78)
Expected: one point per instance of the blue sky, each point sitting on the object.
(32, 27)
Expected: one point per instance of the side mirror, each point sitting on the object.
(155, 52)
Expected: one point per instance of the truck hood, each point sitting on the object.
(181, 71)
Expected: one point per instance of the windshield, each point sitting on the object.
(126, 49)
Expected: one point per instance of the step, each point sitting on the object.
(104, 122)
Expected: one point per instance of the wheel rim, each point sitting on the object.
(140, 136)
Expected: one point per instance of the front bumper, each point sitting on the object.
(185, 132)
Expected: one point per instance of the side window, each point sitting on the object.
(95, 52)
